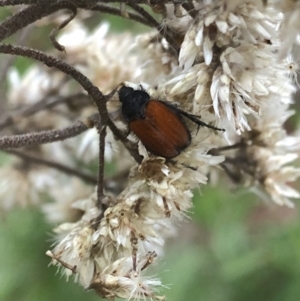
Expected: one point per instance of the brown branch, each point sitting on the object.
(29, 15)
(43, 137)
(40, 10)
(30, 158)
(35, 12)
(90, 2)
(93, 91)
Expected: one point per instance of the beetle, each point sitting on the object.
(158, 124)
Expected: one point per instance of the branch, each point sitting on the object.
(29, 15)
(90, 2)
(43, 137)
(93, 91)
(35, 12)
(151, 21)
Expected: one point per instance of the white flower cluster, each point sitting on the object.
(229, 72)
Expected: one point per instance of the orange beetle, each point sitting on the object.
(159, 125)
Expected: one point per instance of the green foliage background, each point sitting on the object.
(234, 247)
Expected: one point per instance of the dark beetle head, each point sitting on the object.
(124, 92)
(133, 103)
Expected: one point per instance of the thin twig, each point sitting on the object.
(100, 187)
(72, 268)
(75, 101)
(30, 158)
(78, 101)
(155, 24)
(5, 66)
(114, 11)
(51, 61)
(63, 24)
(110, 183)
(145, 14)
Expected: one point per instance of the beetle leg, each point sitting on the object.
(196, 120)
